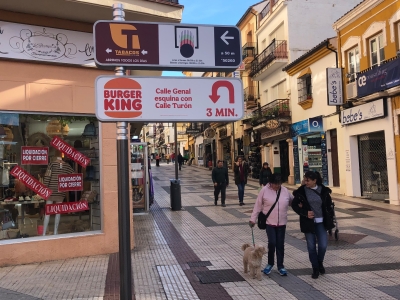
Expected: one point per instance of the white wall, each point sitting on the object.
(351, 149)
(269, 82)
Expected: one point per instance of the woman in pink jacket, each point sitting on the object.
(276, 222)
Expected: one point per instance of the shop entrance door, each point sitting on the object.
(373, 166)
(334, 157)
(140, 181)
(284, 156)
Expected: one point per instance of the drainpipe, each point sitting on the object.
(337, 66)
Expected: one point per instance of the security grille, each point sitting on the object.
(373, 166)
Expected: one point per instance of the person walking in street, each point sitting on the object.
(275, 198)
(265, 173)
(313, 203)
(173, 157)
(241, 170)
(220, 179)
(157, 160)
(180, 161)
(167, 158)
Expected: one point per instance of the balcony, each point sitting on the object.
(249, 52)
(277, 109)
(266, 10)
(274, 57)
(251, 96)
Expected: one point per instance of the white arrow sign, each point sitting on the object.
(144, 52)
(108, 50)
(224, 37)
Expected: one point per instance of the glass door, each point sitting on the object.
(139, 177)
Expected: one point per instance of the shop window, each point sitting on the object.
(376, 49)
(304, 86)
(353, 60)
(49, 171)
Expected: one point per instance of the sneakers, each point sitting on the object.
(21, 198)
(268, 269)
(27, 198)
(223, 205)
(282, 272)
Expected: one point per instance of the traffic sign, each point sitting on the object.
(172, 99)
(165, 46)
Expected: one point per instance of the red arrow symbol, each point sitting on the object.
(222, 83)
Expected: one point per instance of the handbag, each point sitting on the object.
(262, 219)
(7, 221)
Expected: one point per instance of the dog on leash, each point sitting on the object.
(252, 258)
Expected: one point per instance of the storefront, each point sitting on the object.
(370, 155)
(309, 148)
(225, 146)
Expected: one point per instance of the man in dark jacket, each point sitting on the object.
(220, 179)
(241, 170)
(180, 161)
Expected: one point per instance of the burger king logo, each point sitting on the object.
(122, 98)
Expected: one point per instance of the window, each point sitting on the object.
(398, 35)
(53, 158)
(278, 34)
(279, 91)
(304, 87)
(263, 44)
(353, 59)
(377, 51)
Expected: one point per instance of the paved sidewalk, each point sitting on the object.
(177, 251)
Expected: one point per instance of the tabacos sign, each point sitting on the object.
(122, 98)
(365, 112)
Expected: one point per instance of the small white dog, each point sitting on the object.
(252, 258)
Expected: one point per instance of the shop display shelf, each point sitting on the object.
(314, 150)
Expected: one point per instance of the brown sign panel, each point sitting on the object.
(126, 43)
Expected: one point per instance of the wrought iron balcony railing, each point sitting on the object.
(278, 108)
(266, 10)
(275, 50)
(249, 51)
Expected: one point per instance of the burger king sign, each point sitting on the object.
(155, 99)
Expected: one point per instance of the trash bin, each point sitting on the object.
(175, 193)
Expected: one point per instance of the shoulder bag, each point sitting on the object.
(262, 219)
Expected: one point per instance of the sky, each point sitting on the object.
(215, 12)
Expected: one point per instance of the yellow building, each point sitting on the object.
(368, 42)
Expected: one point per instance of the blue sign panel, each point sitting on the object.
(379, 78)
(299, 128)
(315, 124)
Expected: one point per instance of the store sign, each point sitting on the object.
(67, 207)
(34, 155)
(315, 124)
(379, 78)
(334, 83)
(299, 128)
(70, 152)
(365, 112)
(168, 99)
(171, 46)
(39, 43)
(70, 182)
(31, 182)
(192, 130)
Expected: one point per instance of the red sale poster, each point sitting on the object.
(34, 155)
(70, 182)
(31, 182)
(70, 151)
(66, 207)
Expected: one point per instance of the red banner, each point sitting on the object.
(34, 155)
(70, 151)
(70, 182)
(66, 207)
(30, 182)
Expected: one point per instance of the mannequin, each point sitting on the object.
(57, 167)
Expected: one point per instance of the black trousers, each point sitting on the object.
(221, 187)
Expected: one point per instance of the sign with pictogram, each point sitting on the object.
(173, 99)
(167, 46)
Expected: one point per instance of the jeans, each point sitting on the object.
(241, 191)
(321, 236)
(221, 187)
(276, 240)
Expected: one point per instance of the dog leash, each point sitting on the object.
(252, 234)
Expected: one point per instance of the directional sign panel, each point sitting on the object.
(163, 46)
(169, 99)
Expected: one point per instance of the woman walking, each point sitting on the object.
(241, 170)
(265, 173)
(274, 198)
(313, 203)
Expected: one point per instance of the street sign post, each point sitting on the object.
(164, 46)
(169, 99)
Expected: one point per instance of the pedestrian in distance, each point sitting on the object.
(167, 158)
(273, 192)
(157, 160)
(313, 203)
(220, 179)
(265, 173)
(180, 161)
(172, 157)
(241, 170)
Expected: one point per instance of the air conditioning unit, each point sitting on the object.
(351, 90)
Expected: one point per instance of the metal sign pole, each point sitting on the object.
(124, 213)
(176, 150)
